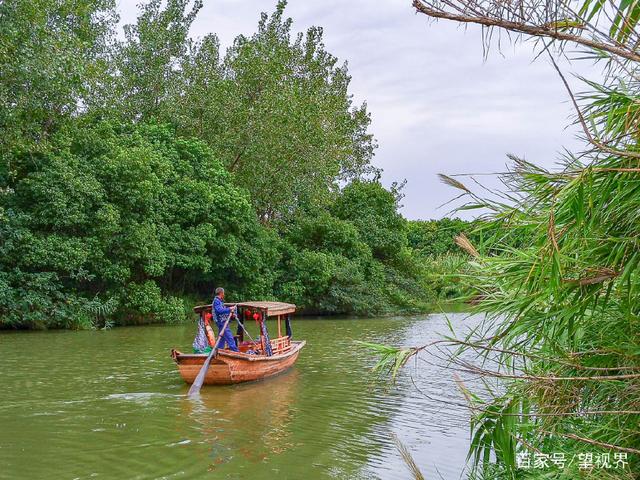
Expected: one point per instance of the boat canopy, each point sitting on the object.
(272, 309)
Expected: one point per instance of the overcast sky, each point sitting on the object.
(437, 105)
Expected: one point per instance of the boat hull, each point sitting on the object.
(233, 367)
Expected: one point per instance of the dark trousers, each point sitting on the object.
(226, 337)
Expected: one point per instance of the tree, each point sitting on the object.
(132, 171)
(328, 268)
(278, 113)
(436, 237)
(51, 54)
(374, 212)
(121, 216)
(353, 257)
(275, 109)
(147, 65)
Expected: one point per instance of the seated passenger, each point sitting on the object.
(200, 343)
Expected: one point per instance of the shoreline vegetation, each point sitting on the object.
(149, 170)
(558, 351)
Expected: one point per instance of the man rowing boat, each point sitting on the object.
(203, 341)
(220, 315)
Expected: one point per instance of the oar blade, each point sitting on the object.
(199, 381)
(194, 390)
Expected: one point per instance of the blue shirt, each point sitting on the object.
(219, 309)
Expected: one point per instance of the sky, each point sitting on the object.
(437, 104)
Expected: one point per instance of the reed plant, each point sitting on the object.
(558, 351)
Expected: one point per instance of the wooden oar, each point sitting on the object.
(197, 383)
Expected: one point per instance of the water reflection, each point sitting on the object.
(250, 420)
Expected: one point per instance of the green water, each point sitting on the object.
(111, 405)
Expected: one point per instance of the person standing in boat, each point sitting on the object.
(220, 315)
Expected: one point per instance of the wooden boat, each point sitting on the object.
(257, 359)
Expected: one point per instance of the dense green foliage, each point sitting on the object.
(276, 110)
(141, 171)
(355, 256)
(107, 216)
(436, 237)
(110, 220)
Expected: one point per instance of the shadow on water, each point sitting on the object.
(112, 405)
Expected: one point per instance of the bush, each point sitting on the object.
(353, 257)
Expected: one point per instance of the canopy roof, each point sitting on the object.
(272, 309)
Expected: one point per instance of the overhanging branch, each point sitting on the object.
(535, 31)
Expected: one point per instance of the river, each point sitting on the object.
(111, 405)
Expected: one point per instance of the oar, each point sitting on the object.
(197, 383)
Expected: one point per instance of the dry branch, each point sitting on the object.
(547, 31)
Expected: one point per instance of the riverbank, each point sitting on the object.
(189, 316)
(438, 287)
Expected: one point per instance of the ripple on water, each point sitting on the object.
(111, 405)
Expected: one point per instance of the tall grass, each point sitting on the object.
(563, 317)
